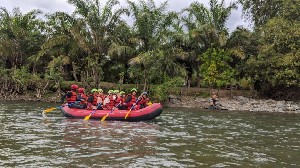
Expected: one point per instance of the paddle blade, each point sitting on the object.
(103, 118)
(87, 117)
(49, 110)
(150, 103)
(127, 113)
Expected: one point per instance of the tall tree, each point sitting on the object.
(151, 23)
(260, 11)
(206, 29)
(20, 36)
(276, 67)
(241, 45)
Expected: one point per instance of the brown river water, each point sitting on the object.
(177, 138)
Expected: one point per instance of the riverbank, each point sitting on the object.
(237, 103)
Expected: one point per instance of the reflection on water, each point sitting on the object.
(178, 138)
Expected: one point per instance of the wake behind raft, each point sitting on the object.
(147, 113)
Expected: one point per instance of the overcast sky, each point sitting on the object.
(50, 6)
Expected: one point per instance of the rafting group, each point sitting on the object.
(97, 100)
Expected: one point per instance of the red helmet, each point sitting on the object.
(74, 86)
(80, 90)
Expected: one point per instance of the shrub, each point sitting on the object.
(161, 92)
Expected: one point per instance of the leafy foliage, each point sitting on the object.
(160, 50)
(170, 86)
(215, 69)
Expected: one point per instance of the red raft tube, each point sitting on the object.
(147, 113)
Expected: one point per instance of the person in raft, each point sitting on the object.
(94, 101)
(213, 101)
(110, 100)
(101, 95)
(82, 99)
(131, 99)
(71, 96)
(144, 100)
(120, 101)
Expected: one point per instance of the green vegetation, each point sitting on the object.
(161, 51)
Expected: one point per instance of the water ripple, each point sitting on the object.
(178, 138)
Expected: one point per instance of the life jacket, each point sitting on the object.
(72, 98)
(84, 97)
(143, 101)
(94, 102)
(111, 103)
(119, 101)
(102, 97)
(132, 101)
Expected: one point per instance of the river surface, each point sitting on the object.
(178, 138)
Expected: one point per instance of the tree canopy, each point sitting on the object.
(95, 44)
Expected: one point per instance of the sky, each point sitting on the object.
(51, 6)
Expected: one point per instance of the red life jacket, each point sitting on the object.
(72, 98)
(94, 103)
(119, 100)
(84, 97)
(133, 100)
(111, 103)
(143, 101)
(102, 97)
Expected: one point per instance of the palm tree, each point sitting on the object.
(84, 37)
(206, 29)
(20, 36)
(92, 31)
(151, 30)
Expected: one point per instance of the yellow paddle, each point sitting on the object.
(58, 107)
(103, 118)
(132, 107)
(89, 116)
(128, 112)
(51, 109)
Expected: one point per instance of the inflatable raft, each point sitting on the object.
(147, 113)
